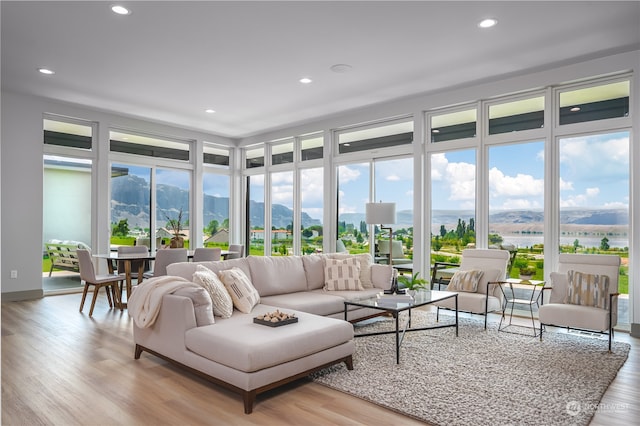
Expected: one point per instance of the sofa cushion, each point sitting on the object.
(239, 343)
(187, 269)
(202, 306)
(220, 297)
(588, 289)
(314, 270)
(277, 275)
(243, 293)
(313, 302)
(342, 274)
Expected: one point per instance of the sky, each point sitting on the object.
(594, 173)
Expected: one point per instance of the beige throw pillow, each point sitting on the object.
(222, 303)
(466, 281)
(243, 293)
(342, 274)
(588, 289)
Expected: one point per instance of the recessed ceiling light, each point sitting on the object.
(305, 80)
(120, 10)
(435, 131)
(46, 71)
(210, 111)
(341, 68)
(488, 23)
(575, 109)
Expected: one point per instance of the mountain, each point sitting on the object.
(131, 198)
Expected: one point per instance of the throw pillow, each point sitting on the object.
(222, 303)
(365, 262)
(466, 281)
(202, 306)
(588, 289)
(342, 274)
(243, 293)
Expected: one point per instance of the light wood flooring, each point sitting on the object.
(60, 367)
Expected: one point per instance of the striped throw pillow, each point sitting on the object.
(243, 293)
(342, 274)
(588, 289)
(466, 281)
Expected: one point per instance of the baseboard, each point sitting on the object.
(16, 296)
(635, 330)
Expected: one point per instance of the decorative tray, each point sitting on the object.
(275, 319)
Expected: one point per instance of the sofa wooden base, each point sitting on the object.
(248, 396)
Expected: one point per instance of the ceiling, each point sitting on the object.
(169, 61)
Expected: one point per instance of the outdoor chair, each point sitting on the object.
(109, 281)
(582, 294)
(478, 293)
(398, 251)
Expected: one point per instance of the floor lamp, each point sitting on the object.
(382, 213)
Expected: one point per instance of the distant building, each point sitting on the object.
(222, 236)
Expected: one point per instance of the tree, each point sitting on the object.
(443, 231)
(604, 244)
(363, 227)
(121, 229)
(576, 244)
(212, 227)
(307, 233)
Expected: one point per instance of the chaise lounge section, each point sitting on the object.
(250, 358)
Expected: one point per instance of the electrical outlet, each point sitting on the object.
(14, 274)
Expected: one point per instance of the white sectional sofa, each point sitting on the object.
(250, 358)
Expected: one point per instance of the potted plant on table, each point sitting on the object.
(412, 283)
(527, 273)
(177, 241)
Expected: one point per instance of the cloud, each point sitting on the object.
(520, 185)
(347, 174)
(565, 185)
(579, 200)
(393, 178)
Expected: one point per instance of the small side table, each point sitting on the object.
(507, 288)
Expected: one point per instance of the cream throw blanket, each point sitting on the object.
(145, 301)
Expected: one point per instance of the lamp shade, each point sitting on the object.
(381, 213)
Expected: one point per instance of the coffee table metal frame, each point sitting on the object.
(420, 300)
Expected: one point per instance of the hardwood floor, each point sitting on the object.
(60, 367)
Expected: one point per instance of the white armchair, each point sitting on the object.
(584, 301)
(483, 297)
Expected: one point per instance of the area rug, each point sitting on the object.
(480, 377)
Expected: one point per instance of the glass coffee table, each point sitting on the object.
(394, 304)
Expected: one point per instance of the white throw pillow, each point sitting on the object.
(222, 303)
(202, 306)
(342, 274)
(243, 293)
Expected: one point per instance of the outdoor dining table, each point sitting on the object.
(128, 259)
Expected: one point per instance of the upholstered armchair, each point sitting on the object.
(582, 294)
(477, 282)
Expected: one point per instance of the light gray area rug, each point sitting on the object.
(481, 377)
